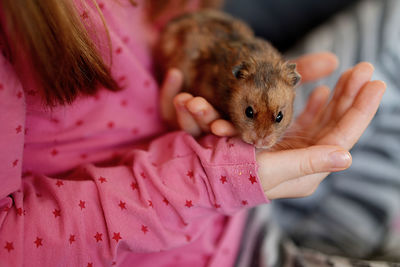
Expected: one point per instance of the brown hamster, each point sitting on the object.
(242, 76)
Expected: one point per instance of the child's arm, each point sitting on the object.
(157, 199)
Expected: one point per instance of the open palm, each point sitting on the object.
(319, 139)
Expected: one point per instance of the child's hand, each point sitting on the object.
(181, 110)
(195, 115)
(320, 137)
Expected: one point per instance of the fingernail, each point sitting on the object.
(340, 159)
(172, 77)
(198, 113)
(196, 110)
(181, 106)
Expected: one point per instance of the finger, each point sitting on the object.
(315, 66)
(170, 87)
(299, 162)
(350, 127)
(203, 112)
(316, 102)
(223, 128)
(325, 115)
(185, 120)
(348, 88)
(362, 74)
(341, 83)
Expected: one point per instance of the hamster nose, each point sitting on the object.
(265, 142)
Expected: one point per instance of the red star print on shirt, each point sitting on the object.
(54, 120)
(54, 152)
(125, 39)
(98, 237)
(90, 264)
(147, 83)
(150, 203)
(244, 202)
(135, 131)
(189, 203)
(82, 204)
(252, 179)
(144, 229)
(223, 179)
(102, 179)
(59, 183)
(15, 162)
(134, 185)
(20, 211)
(190, 174)
(122, 205)
(166, 201)
(9, 246)
(57, 213)
(110, 125)
(117, 237)
(38, 242)
(18, 129)
(206, 257)
(71, 239)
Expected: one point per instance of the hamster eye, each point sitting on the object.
(249, 112)
(279, 117)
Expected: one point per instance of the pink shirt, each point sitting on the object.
(79, 188)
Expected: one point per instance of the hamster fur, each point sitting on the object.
(242, 76)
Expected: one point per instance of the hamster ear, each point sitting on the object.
(240, 71)
(294, 76)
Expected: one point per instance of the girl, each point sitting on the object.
(90, 176)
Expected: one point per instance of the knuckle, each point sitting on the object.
(307, 165)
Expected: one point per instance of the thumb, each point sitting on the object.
(280, 166)
(170, 87)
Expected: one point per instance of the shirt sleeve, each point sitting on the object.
(152, 200)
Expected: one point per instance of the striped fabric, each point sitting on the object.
(355, 214)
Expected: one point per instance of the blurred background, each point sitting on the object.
(354, 214)
(285, 22)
